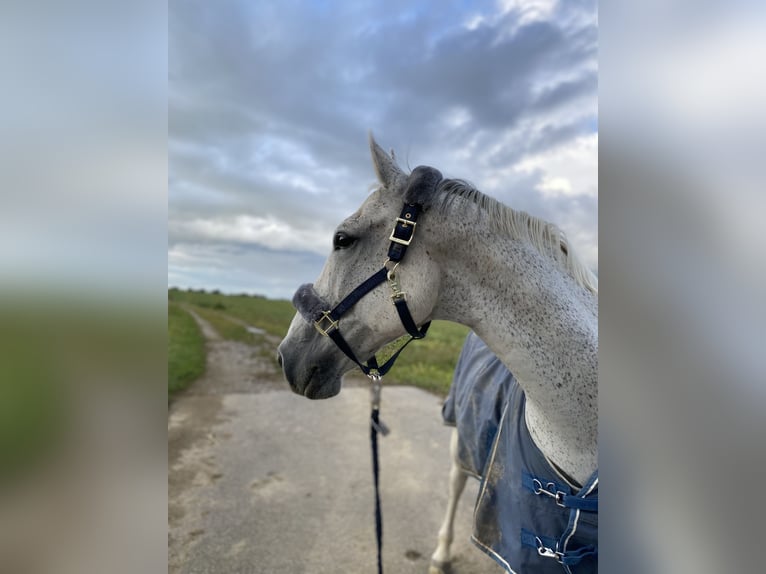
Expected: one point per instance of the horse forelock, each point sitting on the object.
(546, 237)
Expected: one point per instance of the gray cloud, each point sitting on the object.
(270, 103)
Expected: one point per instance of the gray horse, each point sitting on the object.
(513, 278)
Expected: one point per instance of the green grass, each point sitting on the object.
(186, 349)
(427, 363)
(225, 326)
(271, 315)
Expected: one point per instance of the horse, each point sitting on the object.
(513, 278)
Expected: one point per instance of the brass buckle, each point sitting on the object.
(396, 290)
(406, 223)
(325, 330)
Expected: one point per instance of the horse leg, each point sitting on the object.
(441, 557)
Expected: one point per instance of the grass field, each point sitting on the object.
(427, 363)
(271, 315)
(186, 349)
(430, 362)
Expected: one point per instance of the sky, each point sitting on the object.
(270, 105)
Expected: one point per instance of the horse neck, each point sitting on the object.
(544, 328)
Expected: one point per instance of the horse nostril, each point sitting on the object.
(279, 358)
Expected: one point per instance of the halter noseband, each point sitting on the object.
(422, 183)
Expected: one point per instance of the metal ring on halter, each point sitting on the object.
(391, 269)
(396, 290)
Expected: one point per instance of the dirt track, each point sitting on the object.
(262, 480)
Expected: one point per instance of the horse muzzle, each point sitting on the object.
(310, 365)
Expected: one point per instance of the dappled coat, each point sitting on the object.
(528, 516)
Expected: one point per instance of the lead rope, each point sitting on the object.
(376, 427)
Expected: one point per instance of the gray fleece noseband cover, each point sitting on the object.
(308, 302)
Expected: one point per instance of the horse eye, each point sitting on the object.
(342, 240)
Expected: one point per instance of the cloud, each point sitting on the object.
(241, 268)
(246, 229)
(270, 103)
(569, 170)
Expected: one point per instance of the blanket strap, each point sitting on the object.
(559, 493)
(549, 548)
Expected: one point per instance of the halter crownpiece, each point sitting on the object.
(421, 186)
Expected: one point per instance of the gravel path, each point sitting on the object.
(262, 480)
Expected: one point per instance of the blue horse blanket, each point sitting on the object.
(529, 517)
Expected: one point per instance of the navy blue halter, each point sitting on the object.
(315, 310)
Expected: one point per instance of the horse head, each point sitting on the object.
(312, 362)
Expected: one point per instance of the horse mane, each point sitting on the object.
(546, 237)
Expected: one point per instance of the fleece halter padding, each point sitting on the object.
(421, 185)
(308, 302)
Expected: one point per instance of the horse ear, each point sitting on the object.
(389, 174)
